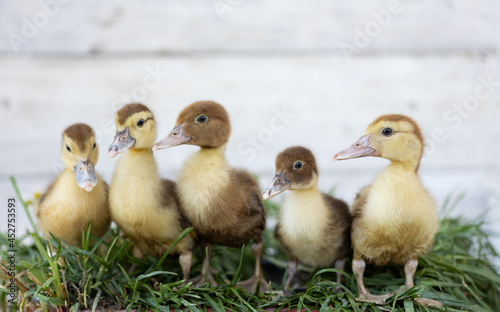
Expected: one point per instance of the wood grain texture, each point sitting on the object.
(322, 103)
(247, 26)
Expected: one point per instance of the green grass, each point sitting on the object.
(457, 271)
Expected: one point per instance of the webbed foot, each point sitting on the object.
(377, 299)
(429, 302)
(205, 278)
(250, 285)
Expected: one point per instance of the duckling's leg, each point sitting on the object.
(250, 284)
(186, 260)
(339, 265)
(136, 252)
(206, 272)
(358, 267)
(410, 269)
(292, 270)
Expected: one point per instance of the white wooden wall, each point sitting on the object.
(289, 72)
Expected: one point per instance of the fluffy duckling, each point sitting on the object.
(394, 219)
(78, 195)
(222, 203)
(144, 206)
(313, 227)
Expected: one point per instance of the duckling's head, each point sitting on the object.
(394, 137)
(296, 169)
(80, 153)
(135, 128)
(204, 123)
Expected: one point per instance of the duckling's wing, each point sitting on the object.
(360, 202)
(278, 235)
(340, 223)
(339, 208)
(249, 189)
(256, 205)
(44, 196)
(171, 201)
(246, 204)
(168, 194)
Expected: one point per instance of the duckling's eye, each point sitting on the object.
(201, 119)
(94, 146)
(140, 123)
(387, 132)
(68, 148)
(298, 165)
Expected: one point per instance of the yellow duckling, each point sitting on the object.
(222, 203)
(144, 206)
(394, 219)
(313, 227)
(78, 195)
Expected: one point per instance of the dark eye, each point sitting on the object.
(68, 148)
(387, 131)
(140, 123)
(298, 165)
(94, 146)
(201, 119)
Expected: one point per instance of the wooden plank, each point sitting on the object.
(237, 26)
(321, 102)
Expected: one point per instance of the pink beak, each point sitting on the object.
(360, 148)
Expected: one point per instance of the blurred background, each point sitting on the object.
(289, 72)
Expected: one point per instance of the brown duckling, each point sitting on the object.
(78, 195)
(222, 203)
(144, 206)
(313, 228)
(395, 218)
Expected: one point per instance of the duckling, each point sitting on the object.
(395, 218)
(78, 195)
(144, 206)
(313, 227)
(222, 203)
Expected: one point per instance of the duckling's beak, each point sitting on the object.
(85, 175)
(123, 141)
(174, 138)
(279, 184)
(360, 148)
